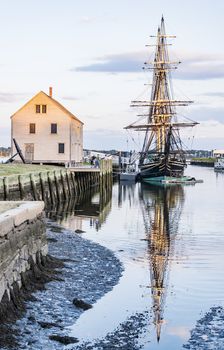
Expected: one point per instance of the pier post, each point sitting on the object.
(50, 187)
(63, 186)
(56, 186)
(6, 188)
(68, 184)
(21, 188)
(33, 186)
(42, 187)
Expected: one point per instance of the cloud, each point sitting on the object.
(87, 19)
(78, 98)
(195, 67)
(205, 113)
(92, 117)
(120, 63)
(104, 139)
(201, 70)
(71, 98)
(5, 136)
(8, 97)
(213, 94)
(182, 332)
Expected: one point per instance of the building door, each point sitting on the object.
(29, 152)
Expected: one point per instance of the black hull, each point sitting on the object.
(160, 168)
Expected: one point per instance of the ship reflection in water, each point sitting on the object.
(140, 222)
(170, 242)
(161, 208)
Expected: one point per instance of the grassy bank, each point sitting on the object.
(209, 162)
(204, 160)
(19, 169)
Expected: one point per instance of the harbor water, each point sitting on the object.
(170, 241)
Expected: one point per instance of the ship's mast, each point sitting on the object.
(161, 112)
(162, 105)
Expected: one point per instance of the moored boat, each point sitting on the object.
(219, 164)
(162, 154)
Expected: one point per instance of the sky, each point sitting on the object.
(92, 52)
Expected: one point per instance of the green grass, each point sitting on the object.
(19, 169)
(207, 160)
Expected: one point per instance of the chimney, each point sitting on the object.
(50, 91)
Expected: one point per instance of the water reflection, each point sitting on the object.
(126, 191)
(161, 209)
(94, 205)
(179, 247)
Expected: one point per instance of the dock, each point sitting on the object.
(182, 182)
(54, 184)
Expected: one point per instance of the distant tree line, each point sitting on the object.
(191, 153)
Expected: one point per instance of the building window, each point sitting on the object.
(61, 148)
(32, 128)
(37, 108)
(41, 108)
(54, 128)
(44, 108)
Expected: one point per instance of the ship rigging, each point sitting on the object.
(162, 155)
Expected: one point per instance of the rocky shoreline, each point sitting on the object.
(208, 333)
(88, 272)
(127, 336)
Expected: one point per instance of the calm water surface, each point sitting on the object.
(171, 242)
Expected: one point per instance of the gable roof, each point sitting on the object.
(54, 101)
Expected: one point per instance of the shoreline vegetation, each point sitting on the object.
(208, 160)
(203, 161)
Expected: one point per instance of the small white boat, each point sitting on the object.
(219, 164)
(128, 176)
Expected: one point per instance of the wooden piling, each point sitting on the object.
(33, 187)
(57, 186)
(68, 184)
(50, 187)
(63, 186)
(21, 188)
(6, 188)
(42, 187)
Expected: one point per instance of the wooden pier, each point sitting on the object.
(105, 167)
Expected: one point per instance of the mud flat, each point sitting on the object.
(208, 333)
(89, 272)
(125, 337)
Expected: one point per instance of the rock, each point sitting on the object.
(48, 324)
(81, 304)
(31, 318)
(79, 231)
(63, 339)
(53, 240)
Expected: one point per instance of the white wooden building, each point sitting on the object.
(47, 132)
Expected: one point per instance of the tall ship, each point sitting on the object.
(162, 156)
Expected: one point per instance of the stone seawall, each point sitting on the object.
(23, 245)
